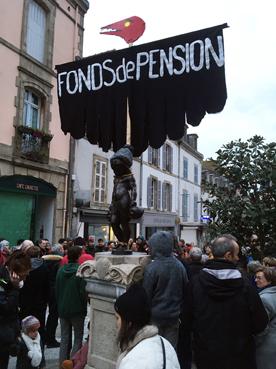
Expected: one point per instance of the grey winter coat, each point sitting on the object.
(266, 341)
(165, 279)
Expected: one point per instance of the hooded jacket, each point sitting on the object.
(225, 312)
(164, 280)
(70, 292)
(266, 341)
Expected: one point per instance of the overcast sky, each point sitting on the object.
(250, 53)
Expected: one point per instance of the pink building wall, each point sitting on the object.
(10, 31)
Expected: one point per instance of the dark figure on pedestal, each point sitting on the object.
(123, 206)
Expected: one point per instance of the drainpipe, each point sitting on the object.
(75, 46)
(70, 192)
(141, 190)
(65, 206)
(72, 146)
(178, 189)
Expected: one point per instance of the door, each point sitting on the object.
(16, 211)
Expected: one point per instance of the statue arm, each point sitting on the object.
(133, 190)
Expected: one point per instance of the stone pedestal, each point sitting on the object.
(107, 278)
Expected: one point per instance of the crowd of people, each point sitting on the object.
(194, 304)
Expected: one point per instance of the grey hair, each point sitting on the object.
(195, 254)
(253, 266)
(223, 244)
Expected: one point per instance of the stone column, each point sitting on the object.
(107, 278)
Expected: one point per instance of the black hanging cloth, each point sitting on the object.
(164, 84)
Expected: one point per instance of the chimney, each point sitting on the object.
(192, 140)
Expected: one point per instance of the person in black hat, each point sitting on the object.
(140, 344)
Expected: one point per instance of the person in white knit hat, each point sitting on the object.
(30, 353)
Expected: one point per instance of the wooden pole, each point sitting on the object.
(128, 133)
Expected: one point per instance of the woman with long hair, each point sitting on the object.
(266, 341)
(12, 275)
(139, 342)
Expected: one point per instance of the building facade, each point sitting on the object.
(35, 35)
(168, 188)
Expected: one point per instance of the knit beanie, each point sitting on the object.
(3, 244)
(28, 322)
(133, 306)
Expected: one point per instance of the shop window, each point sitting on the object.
(100, 181)
(154, 156)
(153, 193)
(196, 202)
(36, 31)
(185, 205)
(185, 168)
(167, 158)
(167, 196)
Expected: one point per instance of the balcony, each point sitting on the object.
(32, 144)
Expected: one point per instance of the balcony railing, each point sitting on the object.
(32, 144)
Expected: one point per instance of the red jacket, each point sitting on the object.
(84, 257)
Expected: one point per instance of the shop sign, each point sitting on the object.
(27, 184)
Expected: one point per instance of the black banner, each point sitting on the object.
(164, 83)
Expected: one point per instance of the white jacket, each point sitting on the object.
(148, 354)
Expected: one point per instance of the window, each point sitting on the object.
(100, 182)
(185, 168)
(167, 196)
(167, 158)
(154, 193)
(32, 110)
(196, 174)
(185, 205)
(154, 156)
(196, 202)
(36, 30)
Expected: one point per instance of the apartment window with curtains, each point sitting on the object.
(154, 156)
(185, 168)
(167, 158)
(36, 31)
(167, 196)
(154, 193)
(31, 110)
(100, 181)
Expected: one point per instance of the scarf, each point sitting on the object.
(34, 349)
(146, 332)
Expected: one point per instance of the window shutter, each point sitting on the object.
(158, 158)
(149, 192)
(164, 156)
(150, 155)
(163, 196)
(171, 158)
(185, 206)
(195, 207)
(158, 195)
(170, 197)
